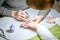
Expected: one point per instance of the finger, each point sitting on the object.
(20, 18)
(31, 27)
(21, 15)
(23, 25)
(48, 17)
(24, 13)
(34, 19)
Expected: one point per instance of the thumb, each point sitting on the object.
(34, 19)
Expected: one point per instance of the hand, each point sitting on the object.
(20, 15)
(30, 25)
(50, 20)
(33, 24)
(37, 18)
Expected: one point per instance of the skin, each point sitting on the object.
(19, 15)
(50, 20)
(22, 16)
(32, 24)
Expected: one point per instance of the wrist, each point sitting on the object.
(37, 27)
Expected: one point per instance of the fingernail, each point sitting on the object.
(27, 14)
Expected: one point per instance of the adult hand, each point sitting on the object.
(20, 15)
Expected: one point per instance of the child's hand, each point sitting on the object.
(37, 18)
(31, 25)
(50, 20)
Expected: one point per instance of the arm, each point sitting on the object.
(57, 21)
(18, 15)
(45, 34)
(42, 31)
(1, 9)
(1, 1)
(4, 11)
(41, 15)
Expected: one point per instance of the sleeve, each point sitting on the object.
(1, 9)
(1, 2)
(45, 34)
(57, 21)
(5, 12)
